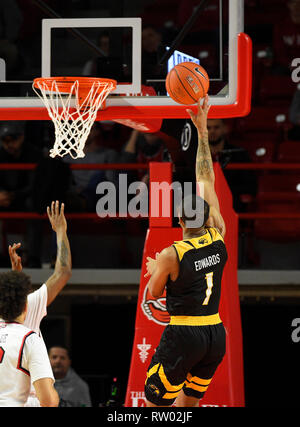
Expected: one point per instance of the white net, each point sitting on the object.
(72, 116)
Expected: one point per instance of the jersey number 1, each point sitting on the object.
(210, 283)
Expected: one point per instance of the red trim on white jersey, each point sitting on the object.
(19, 366)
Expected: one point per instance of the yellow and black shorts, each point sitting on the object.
(186, 359)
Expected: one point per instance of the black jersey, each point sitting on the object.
(197, 290)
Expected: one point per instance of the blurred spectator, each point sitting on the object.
(294, 117)
(10, 23)
(286, 38)
(152, 147)
(106, 66)
(242, 183)
(152, 51)
(103, 42)
(16, 186)
(181, 142)
(208, 19)
(86, 181)
(145, 148)
(113, 135)
(142, 148)
(73, 391)
(29, 39)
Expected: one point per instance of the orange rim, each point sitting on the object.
(64, 84)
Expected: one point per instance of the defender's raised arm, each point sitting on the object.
(63, 265)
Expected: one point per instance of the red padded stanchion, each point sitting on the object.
(227, 386)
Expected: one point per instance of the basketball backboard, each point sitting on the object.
(133, 42)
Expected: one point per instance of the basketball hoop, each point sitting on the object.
(72, 104)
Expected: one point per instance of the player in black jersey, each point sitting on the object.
(193, 344)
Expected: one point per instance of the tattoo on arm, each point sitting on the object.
(204, 165)
(62, 270)
(63, 254)
(63, 259)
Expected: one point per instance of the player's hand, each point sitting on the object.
(15, 259)
(57, 217)
(200, 119)
(151, 265)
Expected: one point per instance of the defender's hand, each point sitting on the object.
(200, 119)
(15, 259)
(57, 217)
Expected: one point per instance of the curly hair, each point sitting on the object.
(14, 288)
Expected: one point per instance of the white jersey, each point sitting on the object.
(36, 310)
(23, 360)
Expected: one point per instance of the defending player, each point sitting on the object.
(45, 295)
(193, 344)
(23, 354)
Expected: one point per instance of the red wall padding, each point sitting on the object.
(227, 386)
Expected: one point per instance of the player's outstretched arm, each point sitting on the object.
(205, 176)
(63, 265)
(204, 164)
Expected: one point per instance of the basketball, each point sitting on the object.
(187, 82)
